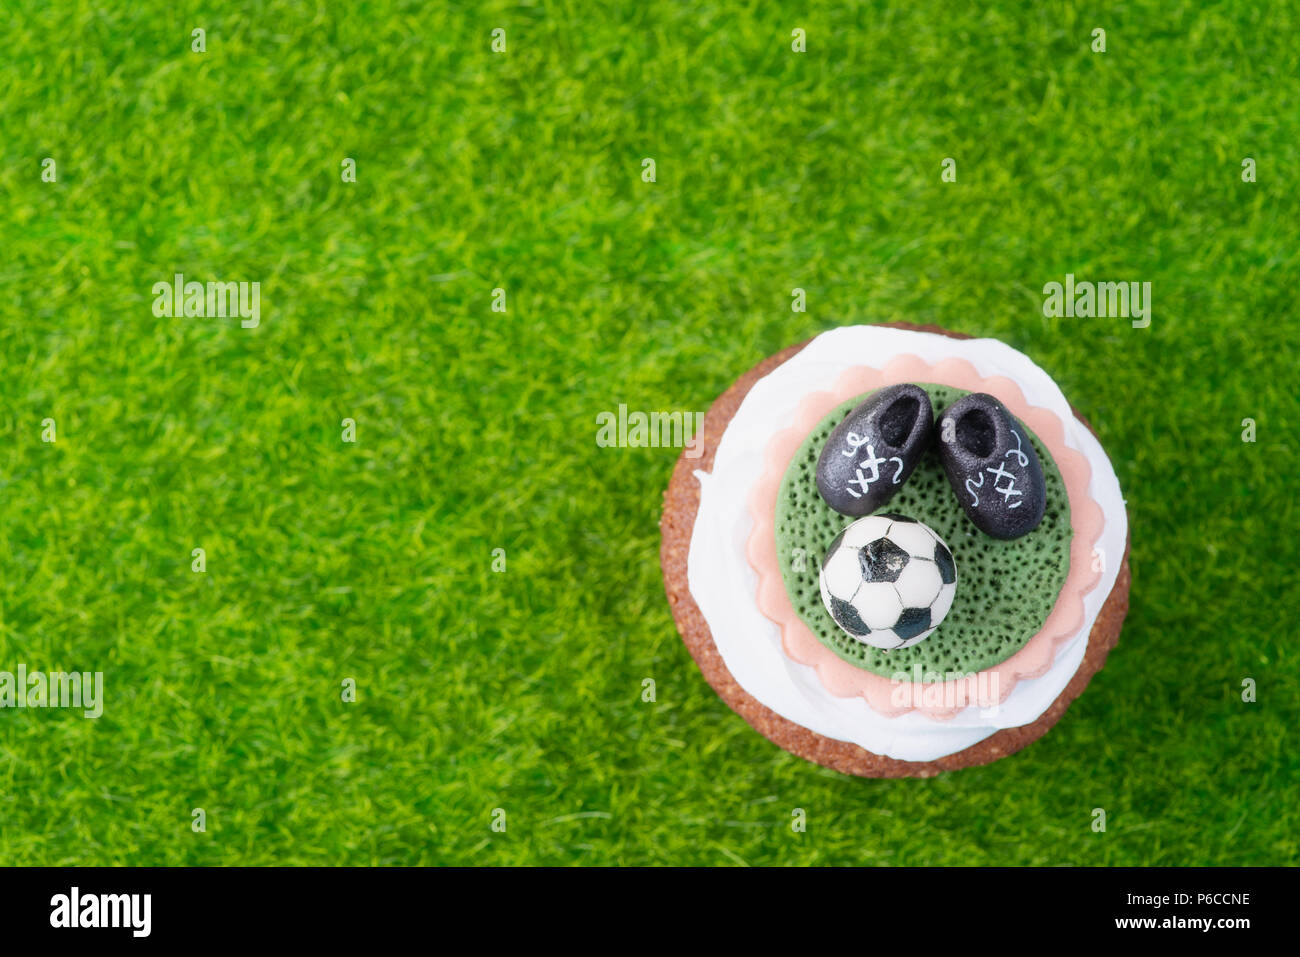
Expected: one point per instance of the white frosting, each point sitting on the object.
(724, 585)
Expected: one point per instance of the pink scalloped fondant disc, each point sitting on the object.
(942, 700)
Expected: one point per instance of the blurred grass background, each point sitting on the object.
(476, 430)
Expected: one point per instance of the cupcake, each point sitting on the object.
(900, 552)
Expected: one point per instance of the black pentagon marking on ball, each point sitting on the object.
(847, 617)
(882, 561)
(912, 622)
(894, 517)
(943, 558)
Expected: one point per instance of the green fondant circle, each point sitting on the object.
(1005, 589)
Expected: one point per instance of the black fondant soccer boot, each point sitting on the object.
(992, 466)
(872, 452)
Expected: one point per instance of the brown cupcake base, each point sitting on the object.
(682, 502)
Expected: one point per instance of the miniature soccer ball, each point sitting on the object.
(888, 581)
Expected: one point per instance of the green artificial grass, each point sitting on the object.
(525, 689)
(1005, 589)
